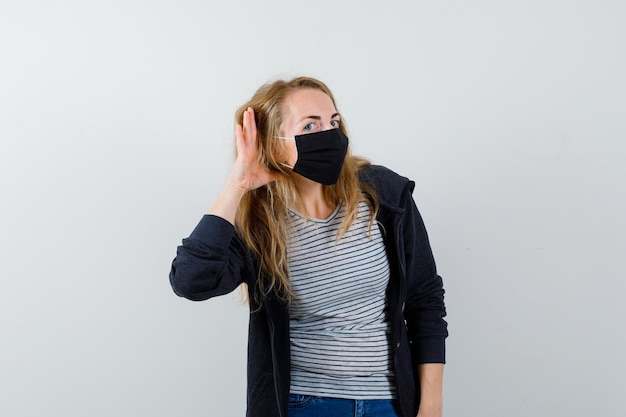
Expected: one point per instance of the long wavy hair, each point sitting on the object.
(261, 219)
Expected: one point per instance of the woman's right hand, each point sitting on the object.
(247, 174)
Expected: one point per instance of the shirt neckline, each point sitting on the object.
(316, 220)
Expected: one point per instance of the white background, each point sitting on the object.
(116, 122)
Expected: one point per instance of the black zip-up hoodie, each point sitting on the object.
(213, 261)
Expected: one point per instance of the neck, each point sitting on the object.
(313, 199)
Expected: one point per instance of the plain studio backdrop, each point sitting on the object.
(116, 126)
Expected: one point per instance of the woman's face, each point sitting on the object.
(307, 110)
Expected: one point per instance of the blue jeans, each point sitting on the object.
(310, 406)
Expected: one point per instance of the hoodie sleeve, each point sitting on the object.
(424, 309)
(212, 261)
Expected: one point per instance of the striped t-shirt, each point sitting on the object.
(338, 320)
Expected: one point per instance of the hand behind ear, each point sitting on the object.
(247, 173)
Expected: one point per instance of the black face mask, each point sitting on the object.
(320, 155)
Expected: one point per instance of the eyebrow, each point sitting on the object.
(319, 117)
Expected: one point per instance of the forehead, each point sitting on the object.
(306, 102)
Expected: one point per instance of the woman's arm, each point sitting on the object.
(425, 308)
(431, 386)
(213, 260)
(425, 312)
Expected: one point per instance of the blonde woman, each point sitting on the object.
(346, 307)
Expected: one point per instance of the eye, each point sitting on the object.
(334, 123)
(309, 127)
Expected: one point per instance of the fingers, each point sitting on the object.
(249, 126)
(245, 133)
(239, 137)
(248, 173)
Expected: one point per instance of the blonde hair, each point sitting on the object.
(261, 219)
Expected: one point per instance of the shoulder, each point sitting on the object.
(391, 188)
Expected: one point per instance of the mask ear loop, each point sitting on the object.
(284, 138)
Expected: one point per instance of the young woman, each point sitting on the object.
(346, 307)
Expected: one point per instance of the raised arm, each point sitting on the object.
(213, 260)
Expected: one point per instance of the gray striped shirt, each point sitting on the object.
(338, 321)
